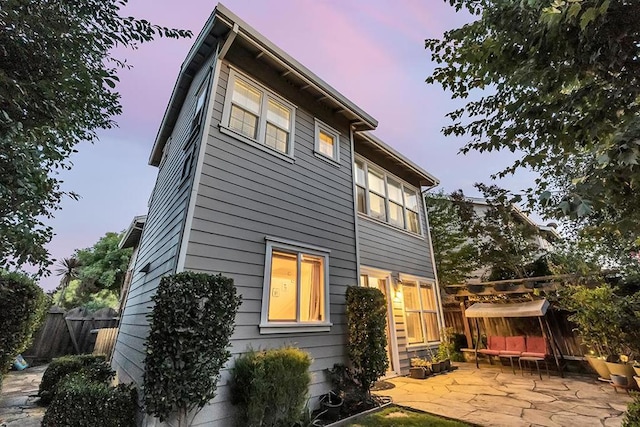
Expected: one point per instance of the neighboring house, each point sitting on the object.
(130, 239)
(546, 237)
(268, 175)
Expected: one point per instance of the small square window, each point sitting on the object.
(327, 142)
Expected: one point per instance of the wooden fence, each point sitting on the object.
(105, 340)
(70, 332)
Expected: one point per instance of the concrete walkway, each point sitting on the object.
(18, 397)
(489, 397)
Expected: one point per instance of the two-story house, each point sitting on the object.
(270, 176)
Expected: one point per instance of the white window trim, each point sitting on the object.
(366, 163)
(321, 126)
(418, 280)
(258, 142)
(266, 327)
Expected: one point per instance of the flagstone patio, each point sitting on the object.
(18, 406)
(489, 397)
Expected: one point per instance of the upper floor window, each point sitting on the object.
(421, 312)
(386, 198)
(327, 142)
(258, 115)
(295, 287)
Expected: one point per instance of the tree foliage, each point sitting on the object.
(455, 254)
(58, 86)
(561, 82)
(104, 265)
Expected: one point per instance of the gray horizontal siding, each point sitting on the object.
(159, 245)
(246, 194)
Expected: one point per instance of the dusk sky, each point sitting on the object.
(371, 51)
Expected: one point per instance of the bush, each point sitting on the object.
(80, 402)
(367, 342)
(271, 387)
(191, 325)
(632, 417)
(22, 308)
(93, 368)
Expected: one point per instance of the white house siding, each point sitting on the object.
(160, 242)
(246, 194)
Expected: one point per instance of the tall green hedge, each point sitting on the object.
(367, 341)
(191, 324)
(22, 308)
(271, 387)
(92, 368)
(80, 402)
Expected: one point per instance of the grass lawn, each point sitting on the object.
(399, 417)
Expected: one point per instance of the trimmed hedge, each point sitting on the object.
(271, 387)
(191, 324)
(92, 368)
(80, 402)
(367, 342)
(22, 308)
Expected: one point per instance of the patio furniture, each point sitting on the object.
(495, 345)
(537, 360)
(537, 308)
(510, 357)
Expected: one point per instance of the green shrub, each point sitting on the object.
(191, 325)
(367, 342)
(632, 417)
(447, 348)
(271, 387)
(93, 368)
(22, 308)
(80, 402)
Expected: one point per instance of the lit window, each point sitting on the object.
(327, 142)
(296, 290)
(259, 115)
(385, 198)
(420, 312)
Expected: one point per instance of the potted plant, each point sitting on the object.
(420, 368)
(331, 405)
(599, 317)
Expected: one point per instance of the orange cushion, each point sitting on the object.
(489, 352)
(515, 344)
(536, 345)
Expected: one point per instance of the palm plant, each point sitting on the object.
(69, 270)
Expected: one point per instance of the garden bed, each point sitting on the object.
(397, 416)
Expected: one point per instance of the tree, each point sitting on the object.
(105, 264)
(69, 268)
(561, 84)
(58, 83)
(453, 250)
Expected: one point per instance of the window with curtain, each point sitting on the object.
(421, 312)
(386, 198)
(297, 285)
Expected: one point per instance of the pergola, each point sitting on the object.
(536, 308)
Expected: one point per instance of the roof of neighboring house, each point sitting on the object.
(389, 153)
(223, 23)
(549, 229)
(133, 234)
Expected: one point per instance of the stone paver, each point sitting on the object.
(489, 397)
(18, 406)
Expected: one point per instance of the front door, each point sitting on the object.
(381, 282)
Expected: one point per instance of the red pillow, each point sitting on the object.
(536, 345)
(516, 344)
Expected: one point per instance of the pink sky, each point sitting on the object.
(371, 51)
